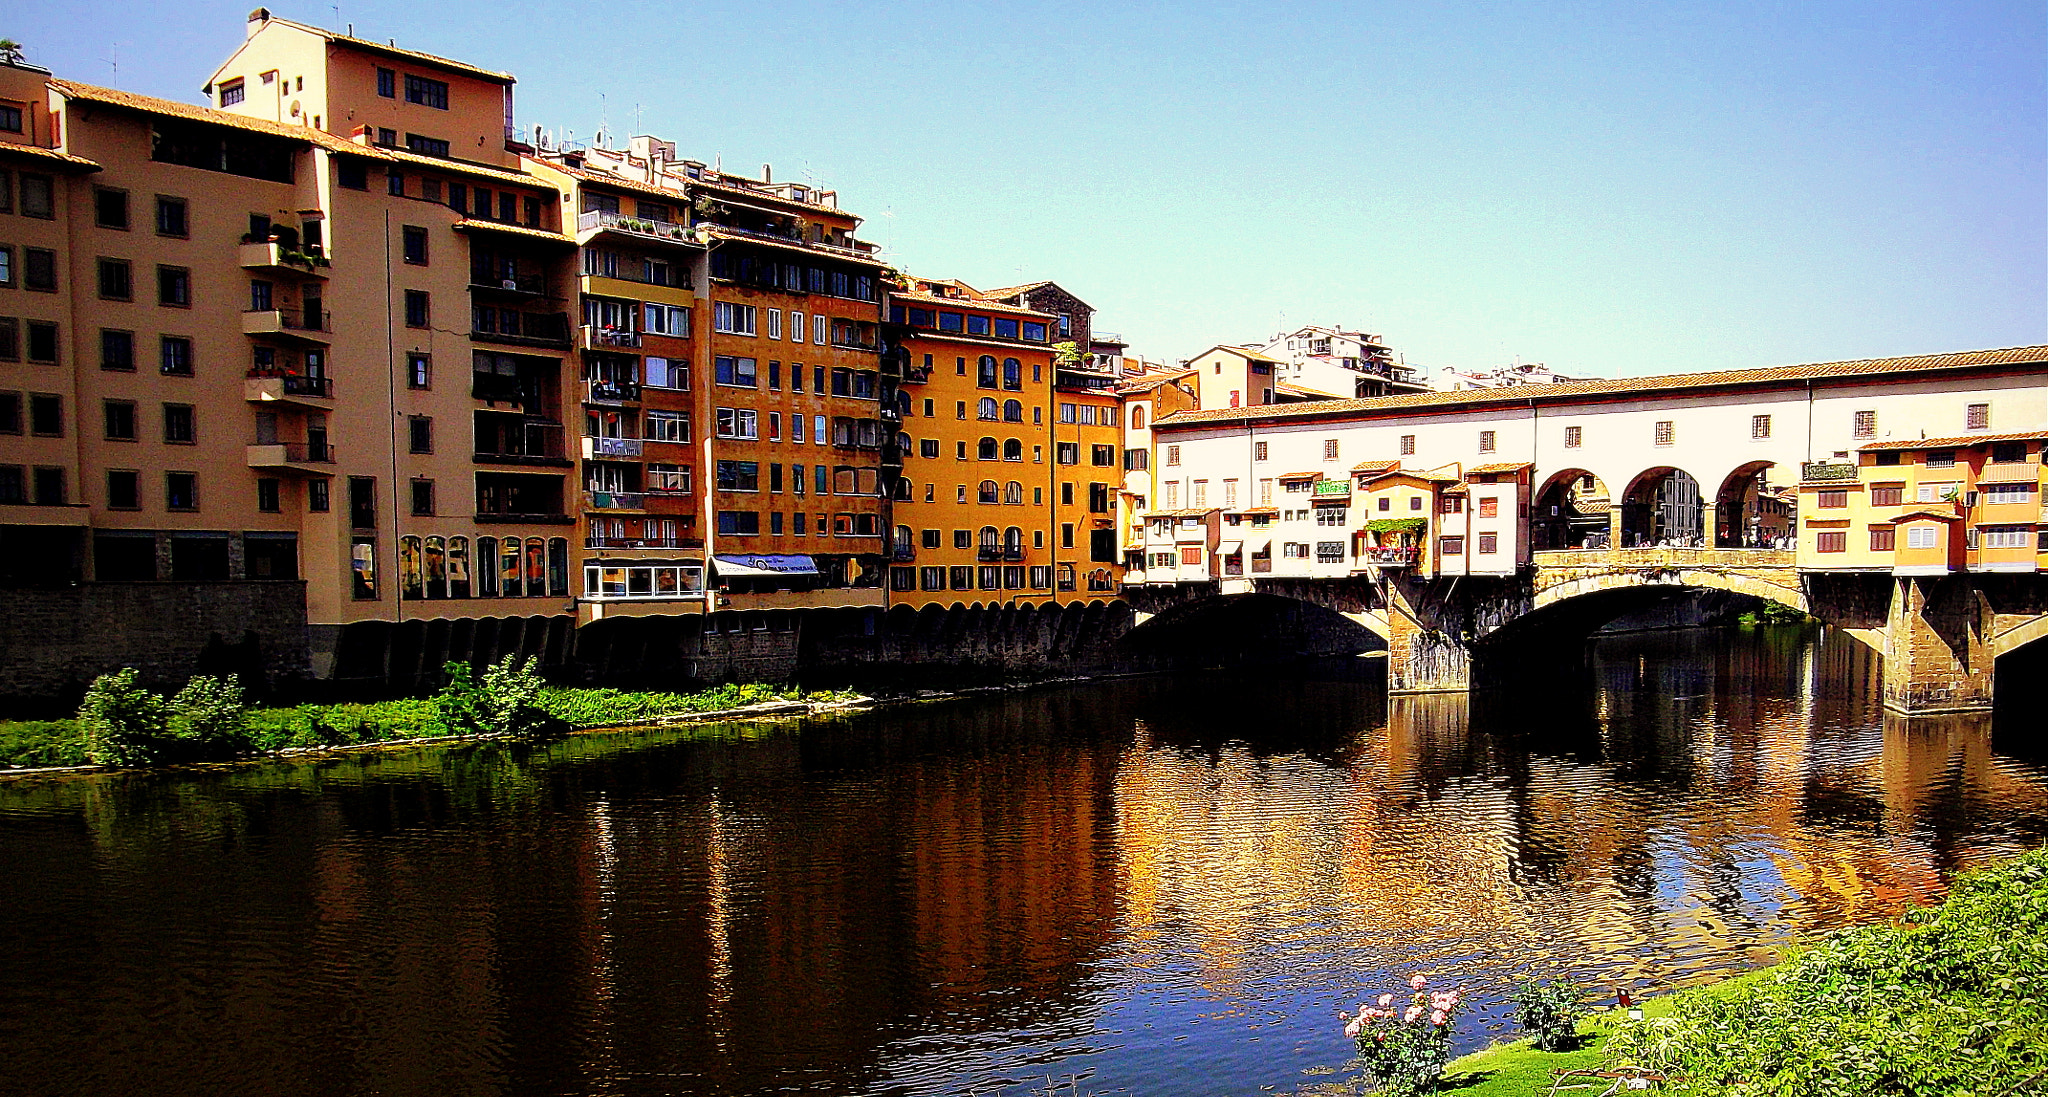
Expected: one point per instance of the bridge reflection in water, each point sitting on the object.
(1149, 881)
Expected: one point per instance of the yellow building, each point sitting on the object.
(1928, 506)
(975, 511)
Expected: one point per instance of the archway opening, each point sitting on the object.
(1749, 512)
(1244, 630)
(1663, 508)
(1571, 512)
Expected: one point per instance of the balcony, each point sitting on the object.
(529, 329)
(1008, 553)
(279, 260)
(290, 390)
(860, 249)
(304, 458)
(1326, 489)
(668, 232)
(903, 554)
(528, 286)
(610, 447)
(280, 324)
(595, 338)
(535, 442)
(1826, 470)
(633, 543)
(611, 392)
(850, 342)
(1397, 556)
(614, 500)
(916, 375)
(1262, 565)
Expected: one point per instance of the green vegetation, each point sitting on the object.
(1549, 1012)
(123, 723)
(1771, 613)
(1520, 1069)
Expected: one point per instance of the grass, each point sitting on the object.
(35, 743)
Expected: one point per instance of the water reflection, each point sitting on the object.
(1168, 885)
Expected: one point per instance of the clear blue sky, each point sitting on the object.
(1610, 188)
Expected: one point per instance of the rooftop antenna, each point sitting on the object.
(114, 58)
(639, 124)
(603, 119)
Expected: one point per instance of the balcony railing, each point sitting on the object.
(600, 338)
(275, 454)
(860, 250)
(529, 285)
(615, 500)
(1826, 470)
(1262, 565)
(903, 553)
(611, 392)
(849, 342)
(309, 325)
(524, 441)
(549, 329)
(642, 542)
(271, 387)
(1398, 556)
(1011, 553)
(611, 447)
(638, 226)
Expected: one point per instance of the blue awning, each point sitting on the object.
(765, 564)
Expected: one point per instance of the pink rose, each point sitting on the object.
(1413, 1013)
(1351, 1030)
(1437, 1018)
(1386, 1000)
(1418, 982)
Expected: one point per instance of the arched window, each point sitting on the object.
(986, 375)
(558, 566)
(985, 449)
(987, 492)
(903, 442)
(487, 567)
(409, 568)
(986, 409)
(1013, 450)
(1013, 374)
(437, 567)
(902, 540)
(1013, 538)
(458, 567)
(536, 567)
(1013, 411)
(903, 403)
(903, 488)
(990, 538)
(508, 569)
(1013, 492)
(1137, 416)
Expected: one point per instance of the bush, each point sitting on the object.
(208, 720)
(1403, 1053)
(1550, 1013)
(121, 722)
(505, 701)
(1946, 1001)
(41, 743)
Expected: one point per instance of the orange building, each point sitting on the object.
(1928, 506)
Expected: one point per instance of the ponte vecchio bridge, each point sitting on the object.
(1897, 499)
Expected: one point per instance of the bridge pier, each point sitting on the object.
(1937, 657)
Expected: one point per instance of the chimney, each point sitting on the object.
(256, 20)
(767, 173)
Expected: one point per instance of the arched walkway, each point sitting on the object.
(1748, 512)
(1571, 512)
(1663, 507)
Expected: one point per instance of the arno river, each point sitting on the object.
(1160, 886)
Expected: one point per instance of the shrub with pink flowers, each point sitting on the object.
(1403, 1046)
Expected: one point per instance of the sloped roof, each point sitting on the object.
(389, 50)
(46, 158)
(1962, 442)
(1375, 466)
(1619, 387)
(171, 108)
(1928, 512)
(1494, 469)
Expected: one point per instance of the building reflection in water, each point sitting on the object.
(1151, 880)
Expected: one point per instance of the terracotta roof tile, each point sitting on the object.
(46, 158)
(1504, 466)
(514, 230)
(393, 51)
(459, 167)
(1620, 387)
(171, 108)
(1928, 512)
(1963, 442)
(1375, 466)
(1299, 476)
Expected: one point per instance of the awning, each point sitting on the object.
(1230, 548)
(765, 564)
(1259, 544)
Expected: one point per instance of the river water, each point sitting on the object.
(1161, 886)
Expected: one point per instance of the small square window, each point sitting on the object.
(110, 208)
(174, 287)
(171, 216)
(181, 490)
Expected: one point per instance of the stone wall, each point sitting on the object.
(55, 640)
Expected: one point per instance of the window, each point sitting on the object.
(738, 475)
(387, 83)
(120, 420)
(2008, 537)
(668, 373)
(1977, 417)
(1068, 453)
(38, 196)
(1920, 537)
(819, 325)
(181, 491)
(1451, 546)
(2007, 493)
(10, 119)
(738, 423)
(1887, 495)
(1830, 500)
(928, 447)
(117, 350)
(1136, 460)
(39, 269)
(1489, 508)
(671, 320)
(419, 371)
(1941, 458)
(668, 426)
(1329, 449)
(1489, 544)
(418, 308)
(2005, 453)
(413, 244)
(351, 173)
(394, 181)
(46, 415)
(1881, 539)
(427, 146)
(735, 319)
(738, 372)
(1831, 541)
(1665, 432)
(1573, 437)
(110, 208)
(986, 409)
(175, 356)
(1759, 426)
(425, 92)
(1173, 455)
(422, 497)
(124, 489)
(179, 426)
(1486, 441)
(420, 433)
(174, 287)
(232, 92)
